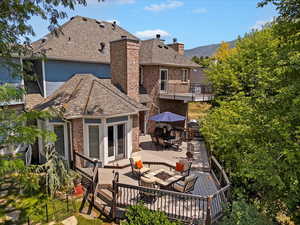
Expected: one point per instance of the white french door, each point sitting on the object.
(116, 136)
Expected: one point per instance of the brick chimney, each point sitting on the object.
(178, 47)
(124, 59)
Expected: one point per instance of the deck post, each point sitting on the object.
(115, 192)
(208, 212)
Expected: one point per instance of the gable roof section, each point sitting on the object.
(87, 95)
(155, 52)
(81, 40)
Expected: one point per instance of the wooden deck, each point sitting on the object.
(207, 196)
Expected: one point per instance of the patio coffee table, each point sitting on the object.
(163, 178)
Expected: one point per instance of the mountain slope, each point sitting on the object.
(207, 50)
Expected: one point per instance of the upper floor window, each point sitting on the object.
(141, 76)
(185, 75)
(163, 80)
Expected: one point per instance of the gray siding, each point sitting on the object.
(57, 72)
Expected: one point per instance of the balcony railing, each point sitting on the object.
(186, 91)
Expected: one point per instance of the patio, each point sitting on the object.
(151, 153)
(117, 187)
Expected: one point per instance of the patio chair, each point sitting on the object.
(154, 140)
(186, 186)
(187, 165)
(136, 171)
(148, 196)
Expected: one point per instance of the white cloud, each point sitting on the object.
(259, 24)
(169, 4)
(147, 34)
(200, 11)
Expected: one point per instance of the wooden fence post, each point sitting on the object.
(208, 212)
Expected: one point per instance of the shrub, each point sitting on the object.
(242, 213)
(141, 215)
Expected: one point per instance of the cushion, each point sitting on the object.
(179, 186)
(190, 178)
(185, 163)
(139, 164)
(179, 167)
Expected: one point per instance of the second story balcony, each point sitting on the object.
(188, 92)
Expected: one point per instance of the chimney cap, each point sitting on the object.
(158, 36)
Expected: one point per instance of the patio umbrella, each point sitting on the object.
(167, 117)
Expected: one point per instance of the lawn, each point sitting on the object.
(17, 208)
(198, 110)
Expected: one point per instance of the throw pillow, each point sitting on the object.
(139, 164)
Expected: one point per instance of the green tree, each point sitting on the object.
(255, 129)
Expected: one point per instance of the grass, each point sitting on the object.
(198, 110)
(32, 208)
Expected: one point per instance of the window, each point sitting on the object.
(185, 75)
(94, 141)
(59, 130)
(163, 80)
(141, 76)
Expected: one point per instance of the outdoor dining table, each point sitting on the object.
(164, 178)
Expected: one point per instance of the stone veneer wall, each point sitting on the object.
(151, 84)
(77, 137)
(174, 106)
(135, 133)
(125, 66)
(178, 47)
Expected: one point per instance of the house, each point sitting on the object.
(104, 83)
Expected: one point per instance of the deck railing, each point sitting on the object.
(85, 165)
(177, 206)
(188, 208)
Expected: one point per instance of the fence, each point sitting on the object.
(53, 210)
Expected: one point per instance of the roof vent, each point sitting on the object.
(114, 25)
(72, 18)
(101, 25)
(166, 47)
(44, 39)
(160, 46)
(123, 37)
(174, 40)
(102, 46)
(84, 19)
(158, 36)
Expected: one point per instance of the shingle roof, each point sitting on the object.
(85, 94)
(155, 52)
(81, 40)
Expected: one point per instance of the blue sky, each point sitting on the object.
(193, 22)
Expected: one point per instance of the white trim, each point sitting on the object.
(86, 149)
(44, 78)
(166, 86)
(104, 117)
(126, 152)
